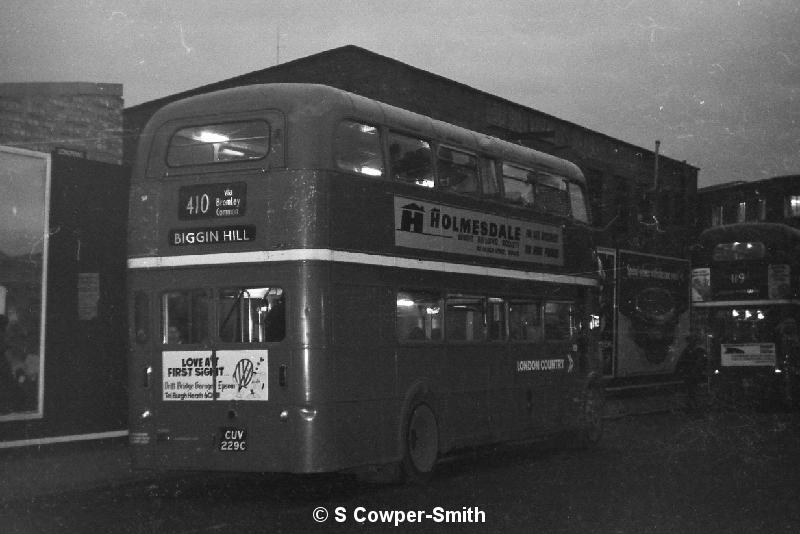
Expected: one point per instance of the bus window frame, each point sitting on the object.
(216, 303)
(571, 322)
(212, 144)
(477, 191)
(541, 186)
(538, 314)
(504, 194)
(383, 152)
(488, 309)
(390, 163)
(482, 327)
(158, 168)
(189, 330)
(573, 186)
(439, 299)
(485, 163)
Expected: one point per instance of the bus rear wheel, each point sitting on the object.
(421, 444)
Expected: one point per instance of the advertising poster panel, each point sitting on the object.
(437, 227)
(25, 191)
(653, 318)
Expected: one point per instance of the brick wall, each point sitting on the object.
(76, 116)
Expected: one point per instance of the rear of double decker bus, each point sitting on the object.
(224, 306)
(745, 310)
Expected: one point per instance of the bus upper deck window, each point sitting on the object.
(458, 171)
(489, 177)
(577, 200)
(411, 160)
(517, 185)
(358, 148)
(219, 143)
(551, 194)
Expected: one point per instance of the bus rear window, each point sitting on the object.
(739, 250)
(219, 143)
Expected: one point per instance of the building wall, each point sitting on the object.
(622, 187)
(84, 119)
(84, 369)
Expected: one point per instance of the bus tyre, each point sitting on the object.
(420, 443)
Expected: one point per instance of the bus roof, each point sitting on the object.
(313, 102)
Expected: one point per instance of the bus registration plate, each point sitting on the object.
(233, 439)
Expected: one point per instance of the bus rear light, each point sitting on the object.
(148, 376)
(308, 413)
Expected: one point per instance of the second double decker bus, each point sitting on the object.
(322, 282)
(746, 304)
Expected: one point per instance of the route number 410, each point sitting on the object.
(198, 204)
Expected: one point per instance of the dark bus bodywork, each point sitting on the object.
(345, 307)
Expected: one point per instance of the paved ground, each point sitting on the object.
(52, 469)
(671, 472)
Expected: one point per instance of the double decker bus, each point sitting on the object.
(322, 282)
(746, 304)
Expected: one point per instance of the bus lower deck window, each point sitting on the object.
(464, 319)
(418, 316)
(558, 321)
(524, 321)
(184, 317)
(251, 315)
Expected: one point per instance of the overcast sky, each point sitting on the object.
(716, 81)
